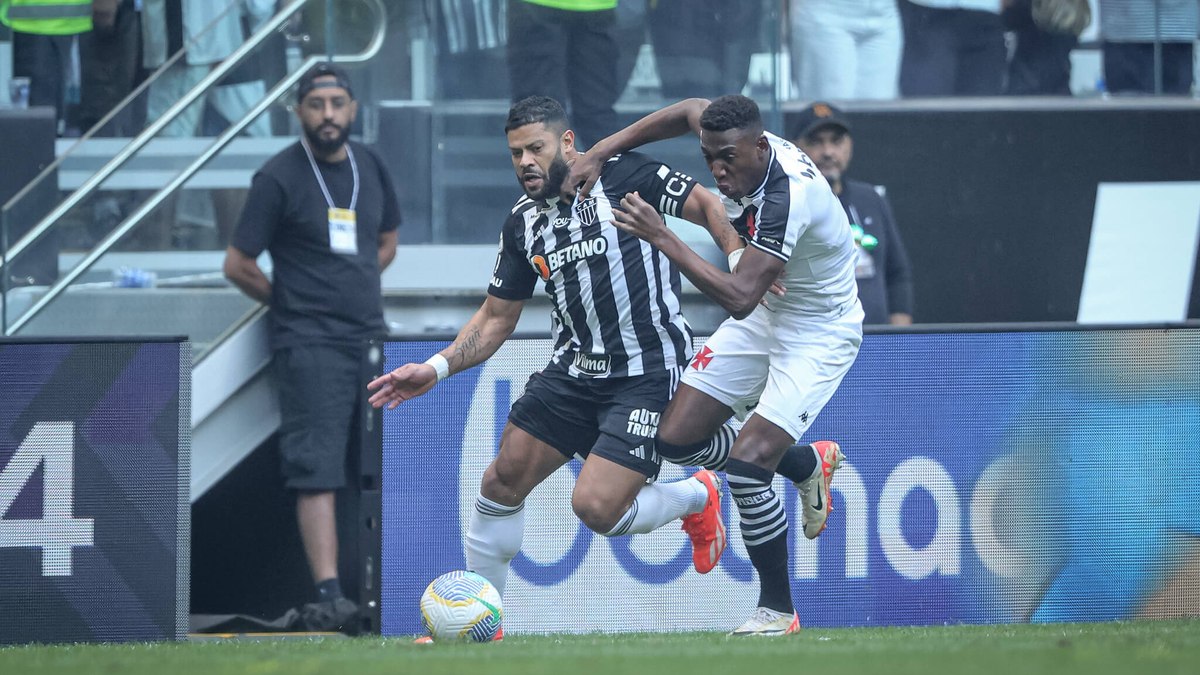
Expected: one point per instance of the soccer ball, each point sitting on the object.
(461, 607)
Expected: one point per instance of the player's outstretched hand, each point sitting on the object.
(638, 218)
(585, 171)
(408, 381)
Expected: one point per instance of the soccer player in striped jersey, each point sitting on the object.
(783, 360)
(620, 344)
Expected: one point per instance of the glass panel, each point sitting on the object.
(471, 57)
(134, 260)
(650, 53)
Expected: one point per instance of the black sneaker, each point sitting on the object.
(329, 616)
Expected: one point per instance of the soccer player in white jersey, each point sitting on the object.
(784, 359)
(620, 344)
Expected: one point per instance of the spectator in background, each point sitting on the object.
(1045, 32)
(326, 210)
(883, 271)
(470, 38)
(109, 66)
(630, 31)
(952, 48)
(208, 31)
(691, 59)
(565, 49)
(109, 71)
(46, 46)
(845, 50)
(1129, 30)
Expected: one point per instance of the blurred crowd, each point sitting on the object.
(85, 56)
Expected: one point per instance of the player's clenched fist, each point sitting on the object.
(408, 381)
(638, 218)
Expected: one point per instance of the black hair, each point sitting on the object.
(534, 109)
(308, 80)
(731, 112)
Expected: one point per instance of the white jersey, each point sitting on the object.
(794, 216)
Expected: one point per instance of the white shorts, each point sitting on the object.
(780, 367)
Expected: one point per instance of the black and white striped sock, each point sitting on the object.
(711, 454)
(764, 531)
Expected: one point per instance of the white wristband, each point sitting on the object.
(734, 258)
(440, 364)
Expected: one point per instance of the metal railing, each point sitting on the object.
(92, 184)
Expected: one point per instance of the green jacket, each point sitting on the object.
(47, 17)
(576, 5)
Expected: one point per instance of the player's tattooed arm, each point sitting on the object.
(465, 348)
(483, 334)
(706, 210)
(477, 340)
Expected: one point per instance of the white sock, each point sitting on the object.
(658, 504)
(493, 539)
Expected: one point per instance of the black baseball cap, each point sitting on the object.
(818, 116)
(307, 81)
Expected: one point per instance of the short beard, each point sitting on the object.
(554, 179)
(326, 147)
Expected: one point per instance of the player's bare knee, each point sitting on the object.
(677, 432)
(503, 484)
(763, 456)
(758, 451)
(594, 512)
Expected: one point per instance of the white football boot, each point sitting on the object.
(769, 623)
(814, 492)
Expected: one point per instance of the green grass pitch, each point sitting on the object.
(1121, 648)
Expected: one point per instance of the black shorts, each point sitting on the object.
(320, 395)
(615, 417)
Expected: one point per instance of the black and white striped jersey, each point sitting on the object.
(616, 298)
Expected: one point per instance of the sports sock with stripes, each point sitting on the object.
(799, 463)
(493, 539)
(764, 531)
(658, 504)
(711, 454)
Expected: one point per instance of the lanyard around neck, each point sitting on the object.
(321, 180)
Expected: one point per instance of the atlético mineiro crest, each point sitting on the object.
(585, 211)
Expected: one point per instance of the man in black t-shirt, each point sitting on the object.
(326, 211)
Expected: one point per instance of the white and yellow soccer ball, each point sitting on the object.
(461, 607)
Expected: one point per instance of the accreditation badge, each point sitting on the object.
(343, 231)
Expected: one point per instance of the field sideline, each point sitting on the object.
(1096, 649)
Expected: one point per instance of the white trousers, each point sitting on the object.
(845, 49)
